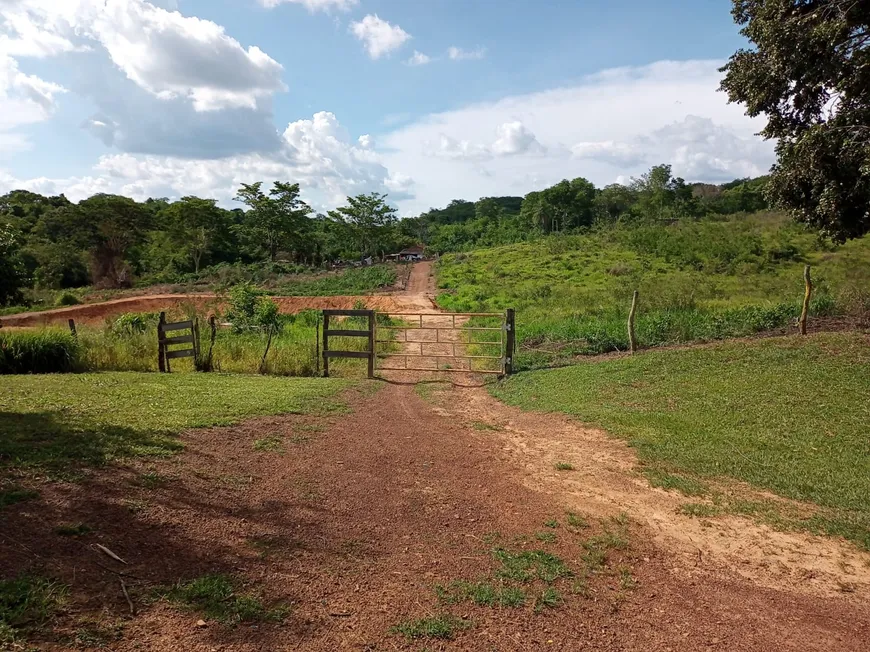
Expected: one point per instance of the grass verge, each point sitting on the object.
(216, 598)
(787, 415)
(54, 423)
(27, 603)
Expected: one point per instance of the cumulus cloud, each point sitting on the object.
(314, 5)
(617, 122)
(379, 36)
(514, 138)
(458, 54)
(419, 59)
(24, 99)
(318, 153)
(167, 54)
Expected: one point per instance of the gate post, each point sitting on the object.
(161, 360)
(372, 322)
(325, 344)
(510, 344)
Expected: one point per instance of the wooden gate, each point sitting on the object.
(368, 333)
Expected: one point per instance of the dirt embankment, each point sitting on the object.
(415, 298)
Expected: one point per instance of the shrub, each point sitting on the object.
(67, 299)
(133, 322)
(38, 352)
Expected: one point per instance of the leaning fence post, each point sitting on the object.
(161, 360)
(632, 339)
(510, 342)
(213, 328)
(72, 328)
(808, 291)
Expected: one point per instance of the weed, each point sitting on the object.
(482, 594)
(14, 494)
(549, 598)
(551, 523)
(73, 530)
(441, 627)
(699, 510)
(546, 537)
(481, 425)
(563, 466)
(673, 481)
(92, 634)
(626, 579)
(581, 587)
(135, 506)
(528, 565)
(27, 603)
(575, 520)
(152, 480)
(215, 597)
(271, 444)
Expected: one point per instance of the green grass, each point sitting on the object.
(47, 350)
(563, 466)
(485, 594)
(11, 494)
(786, 415)
(73, 530)
(360, 280)
(27, 603)
(443, 626)
(575, 520)
(57, 422)
(528, 565)
(270, 444)
(698, 280)
(216, 598)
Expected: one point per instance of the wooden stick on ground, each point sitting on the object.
(127, 595)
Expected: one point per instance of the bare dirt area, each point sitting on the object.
(361, 515)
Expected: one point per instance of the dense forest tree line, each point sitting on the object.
(110, 241)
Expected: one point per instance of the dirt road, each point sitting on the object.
(364, 514)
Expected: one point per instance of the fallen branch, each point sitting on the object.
(109, 553)
(127, 595)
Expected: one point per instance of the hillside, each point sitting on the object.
(698, 280)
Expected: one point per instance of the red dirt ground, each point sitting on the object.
(362, 515)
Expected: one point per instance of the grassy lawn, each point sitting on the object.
(56, 422)
(789, 415)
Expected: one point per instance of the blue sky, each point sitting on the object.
(425, 100)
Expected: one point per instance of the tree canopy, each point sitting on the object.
(808, 73)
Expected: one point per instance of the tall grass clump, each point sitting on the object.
(41, 351)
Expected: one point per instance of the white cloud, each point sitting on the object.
(419, 59)
(24, 99)
(514, 138)
(458, 54)
(379, 36)
(314, 5)
(167, 54)
(318, 153)
(618, 121)
(366, 141)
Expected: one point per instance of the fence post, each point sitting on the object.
(511, 341)
(808, 282)
(317, 346)
(72, 328)
(325, 345)
(371, 343)
(213, 328)
(195, 341)
(161, 360)
(632, 339)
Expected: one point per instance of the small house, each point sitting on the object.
(410, 254)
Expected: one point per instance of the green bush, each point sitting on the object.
(67, 299)
(38, 352)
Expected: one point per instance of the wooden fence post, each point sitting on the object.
(213, 328)
(510, 341)
(161, 348)
(808, 291)
(632, 339)
(72, 328)
(325, 345)
(372, 343)
(317, 346)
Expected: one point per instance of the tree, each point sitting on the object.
(808, 72)
(369, 219)
(195, 224)
(13, 275)
(273, 222)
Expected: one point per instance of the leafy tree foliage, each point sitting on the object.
(13, 276)
(274, 222)
(808, 72)
(369, 220)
